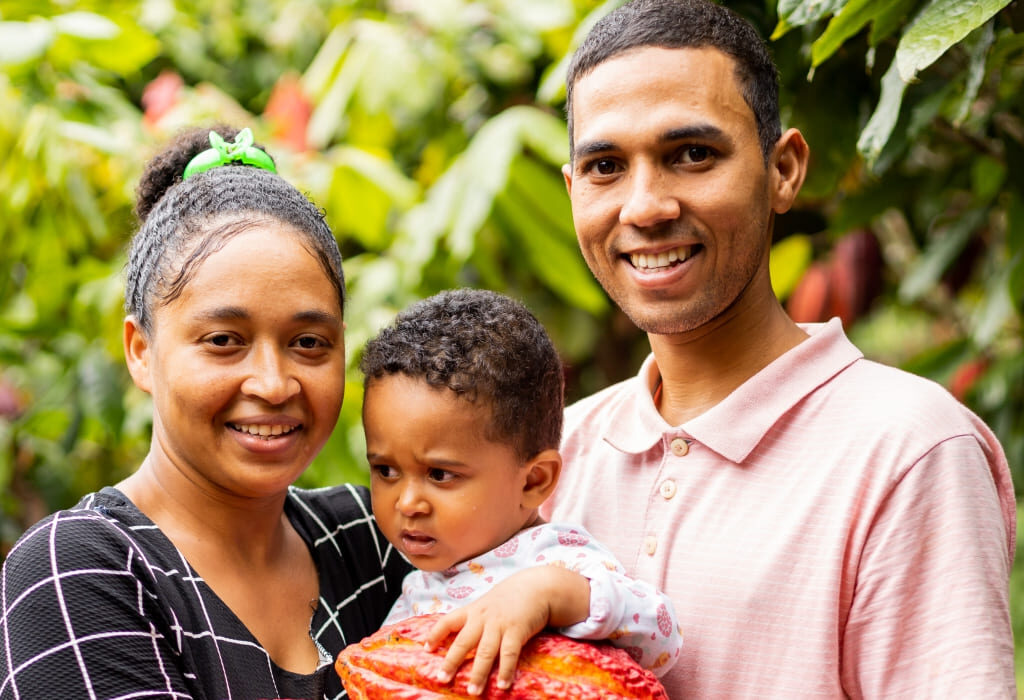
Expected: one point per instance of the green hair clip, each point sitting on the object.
(240, 150)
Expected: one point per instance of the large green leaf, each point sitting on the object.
(887, 112)
(797, 13)
(940, 25)
(844, 24)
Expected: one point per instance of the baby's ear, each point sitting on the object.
(542, 472)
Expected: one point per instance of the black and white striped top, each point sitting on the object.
(97, 603)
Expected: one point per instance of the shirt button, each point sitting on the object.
(680, 447)
(668, 489)
(650, 545)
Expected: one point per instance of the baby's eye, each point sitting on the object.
(384, 471)
(440, 476)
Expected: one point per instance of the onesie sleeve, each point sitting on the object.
(77, 617)
(632, 614)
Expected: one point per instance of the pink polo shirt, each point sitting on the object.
(834, 527)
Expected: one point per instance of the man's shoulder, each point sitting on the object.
(605, 401)
(895, 394)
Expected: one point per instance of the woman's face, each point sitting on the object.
(246, 366)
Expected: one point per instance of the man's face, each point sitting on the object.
(671, 198)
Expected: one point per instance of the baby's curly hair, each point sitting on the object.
(485, 347)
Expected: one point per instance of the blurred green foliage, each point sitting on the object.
(431, 131)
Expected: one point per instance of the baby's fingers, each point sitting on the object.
(465, 641)
(511, 646)
(486, 651)
(444, 626)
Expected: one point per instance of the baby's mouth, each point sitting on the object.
(262, 430)
(663, 260)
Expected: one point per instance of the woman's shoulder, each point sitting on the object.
(333, 514)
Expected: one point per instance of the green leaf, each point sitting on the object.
(978, 45)
(842, 26)
(797, 13)
(987, 177)
(86, 25)
(935, 260)
(940, 25)
(552, 84)
(21, 42)
(879, 127)
(891, 16)
(995, 310)
(788, 262)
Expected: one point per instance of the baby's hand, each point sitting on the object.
(501, 621)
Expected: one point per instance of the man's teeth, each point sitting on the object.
(265, 430)
(647, 261)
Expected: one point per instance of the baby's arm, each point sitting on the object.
(632, 614)
(500, 622)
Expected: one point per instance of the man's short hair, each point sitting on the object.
(678, 24)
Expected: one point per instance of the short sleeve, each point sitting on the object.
(929, 616)
(78, 618)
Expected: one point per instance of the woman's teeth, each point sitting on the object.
(645, 261)
(264, 431)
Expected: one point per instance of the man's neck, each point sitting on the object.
(700, 368)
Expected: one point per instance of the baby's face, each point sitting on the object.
(442, 492)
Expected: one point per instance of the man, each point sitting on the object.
(826, 526)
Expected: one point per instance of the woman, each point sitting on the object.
(206, 574)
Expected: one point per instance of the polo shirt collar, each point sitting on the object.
(735, 425)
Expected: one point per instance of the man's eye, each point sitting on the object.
(221, 340)
(309, 342)
(604, 167)
(696, 154)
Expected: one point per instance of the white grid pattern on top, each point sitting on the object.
(97, 603)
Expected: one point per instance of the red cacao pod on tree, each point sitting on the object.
(855, 275)
(810, 300)
(393, 663)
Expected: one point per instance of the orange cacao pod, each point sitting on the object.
(393, 663)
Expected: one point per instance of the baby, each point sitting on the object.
(463, 417)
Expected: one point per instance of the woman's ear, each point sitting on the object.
(789, 168)
(542, 472)
(137, 354)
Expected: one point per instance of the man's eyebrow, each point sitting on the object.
(707, 132)
(703, 132)
(591, 147)
(317, 316)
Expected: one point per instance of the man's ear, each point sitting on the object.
(789, 168)
(137, 353)
(542, 472)
(567, 174)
